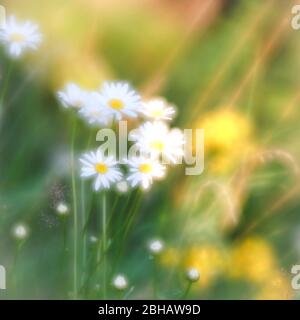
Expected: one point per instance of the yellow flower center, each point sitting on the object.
(157, 112)
(78, 104)
(116, 104)
(101, 168)
(158, 145)
(145, 168)
(17, 37)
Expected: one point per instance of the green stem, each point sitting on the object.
(124, 231)
(104, 246)
(113, 208)
(132, 215)
(5, 83)
(75, 217)
(64, 221)
(83, 222)
(154, 270)
(88, 216)
(120, 296)
(120, 221)
(14, 265)
(187, 290)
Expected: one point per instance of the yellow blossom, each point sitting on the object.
(253, 259)
(228, 137)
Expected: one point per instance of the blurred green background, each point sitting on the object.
(232, 68)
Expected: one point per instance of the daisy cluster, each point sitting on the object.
(157, 144)
(17, 37)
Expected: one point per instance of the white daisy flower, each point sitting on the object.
(93, 112)
(19, 37)
(142, 171)
(120, 99)
(157, 140)
(120, 282)
(103, 169)
(158, 109)
(72, 96)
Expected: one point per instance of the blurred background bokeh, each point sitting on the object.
(232, 68)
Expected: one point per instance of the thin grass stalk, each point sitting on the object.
(82, 224)
(75, 213)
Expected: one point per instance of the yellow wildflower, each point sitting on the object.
(228, 137)
(253, 259)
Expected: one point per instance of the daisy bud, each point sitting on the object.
(120, 282)
(62, 209)
(193, 274)
(122, 186)
(20, 232)
(156, 247)
(93, 239)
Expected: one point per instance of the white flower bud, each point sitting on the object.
(93, 239)
(62, 209)
(193, 274)
(20, 232)
(120, 282)
(156, 247)
(122, 186)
